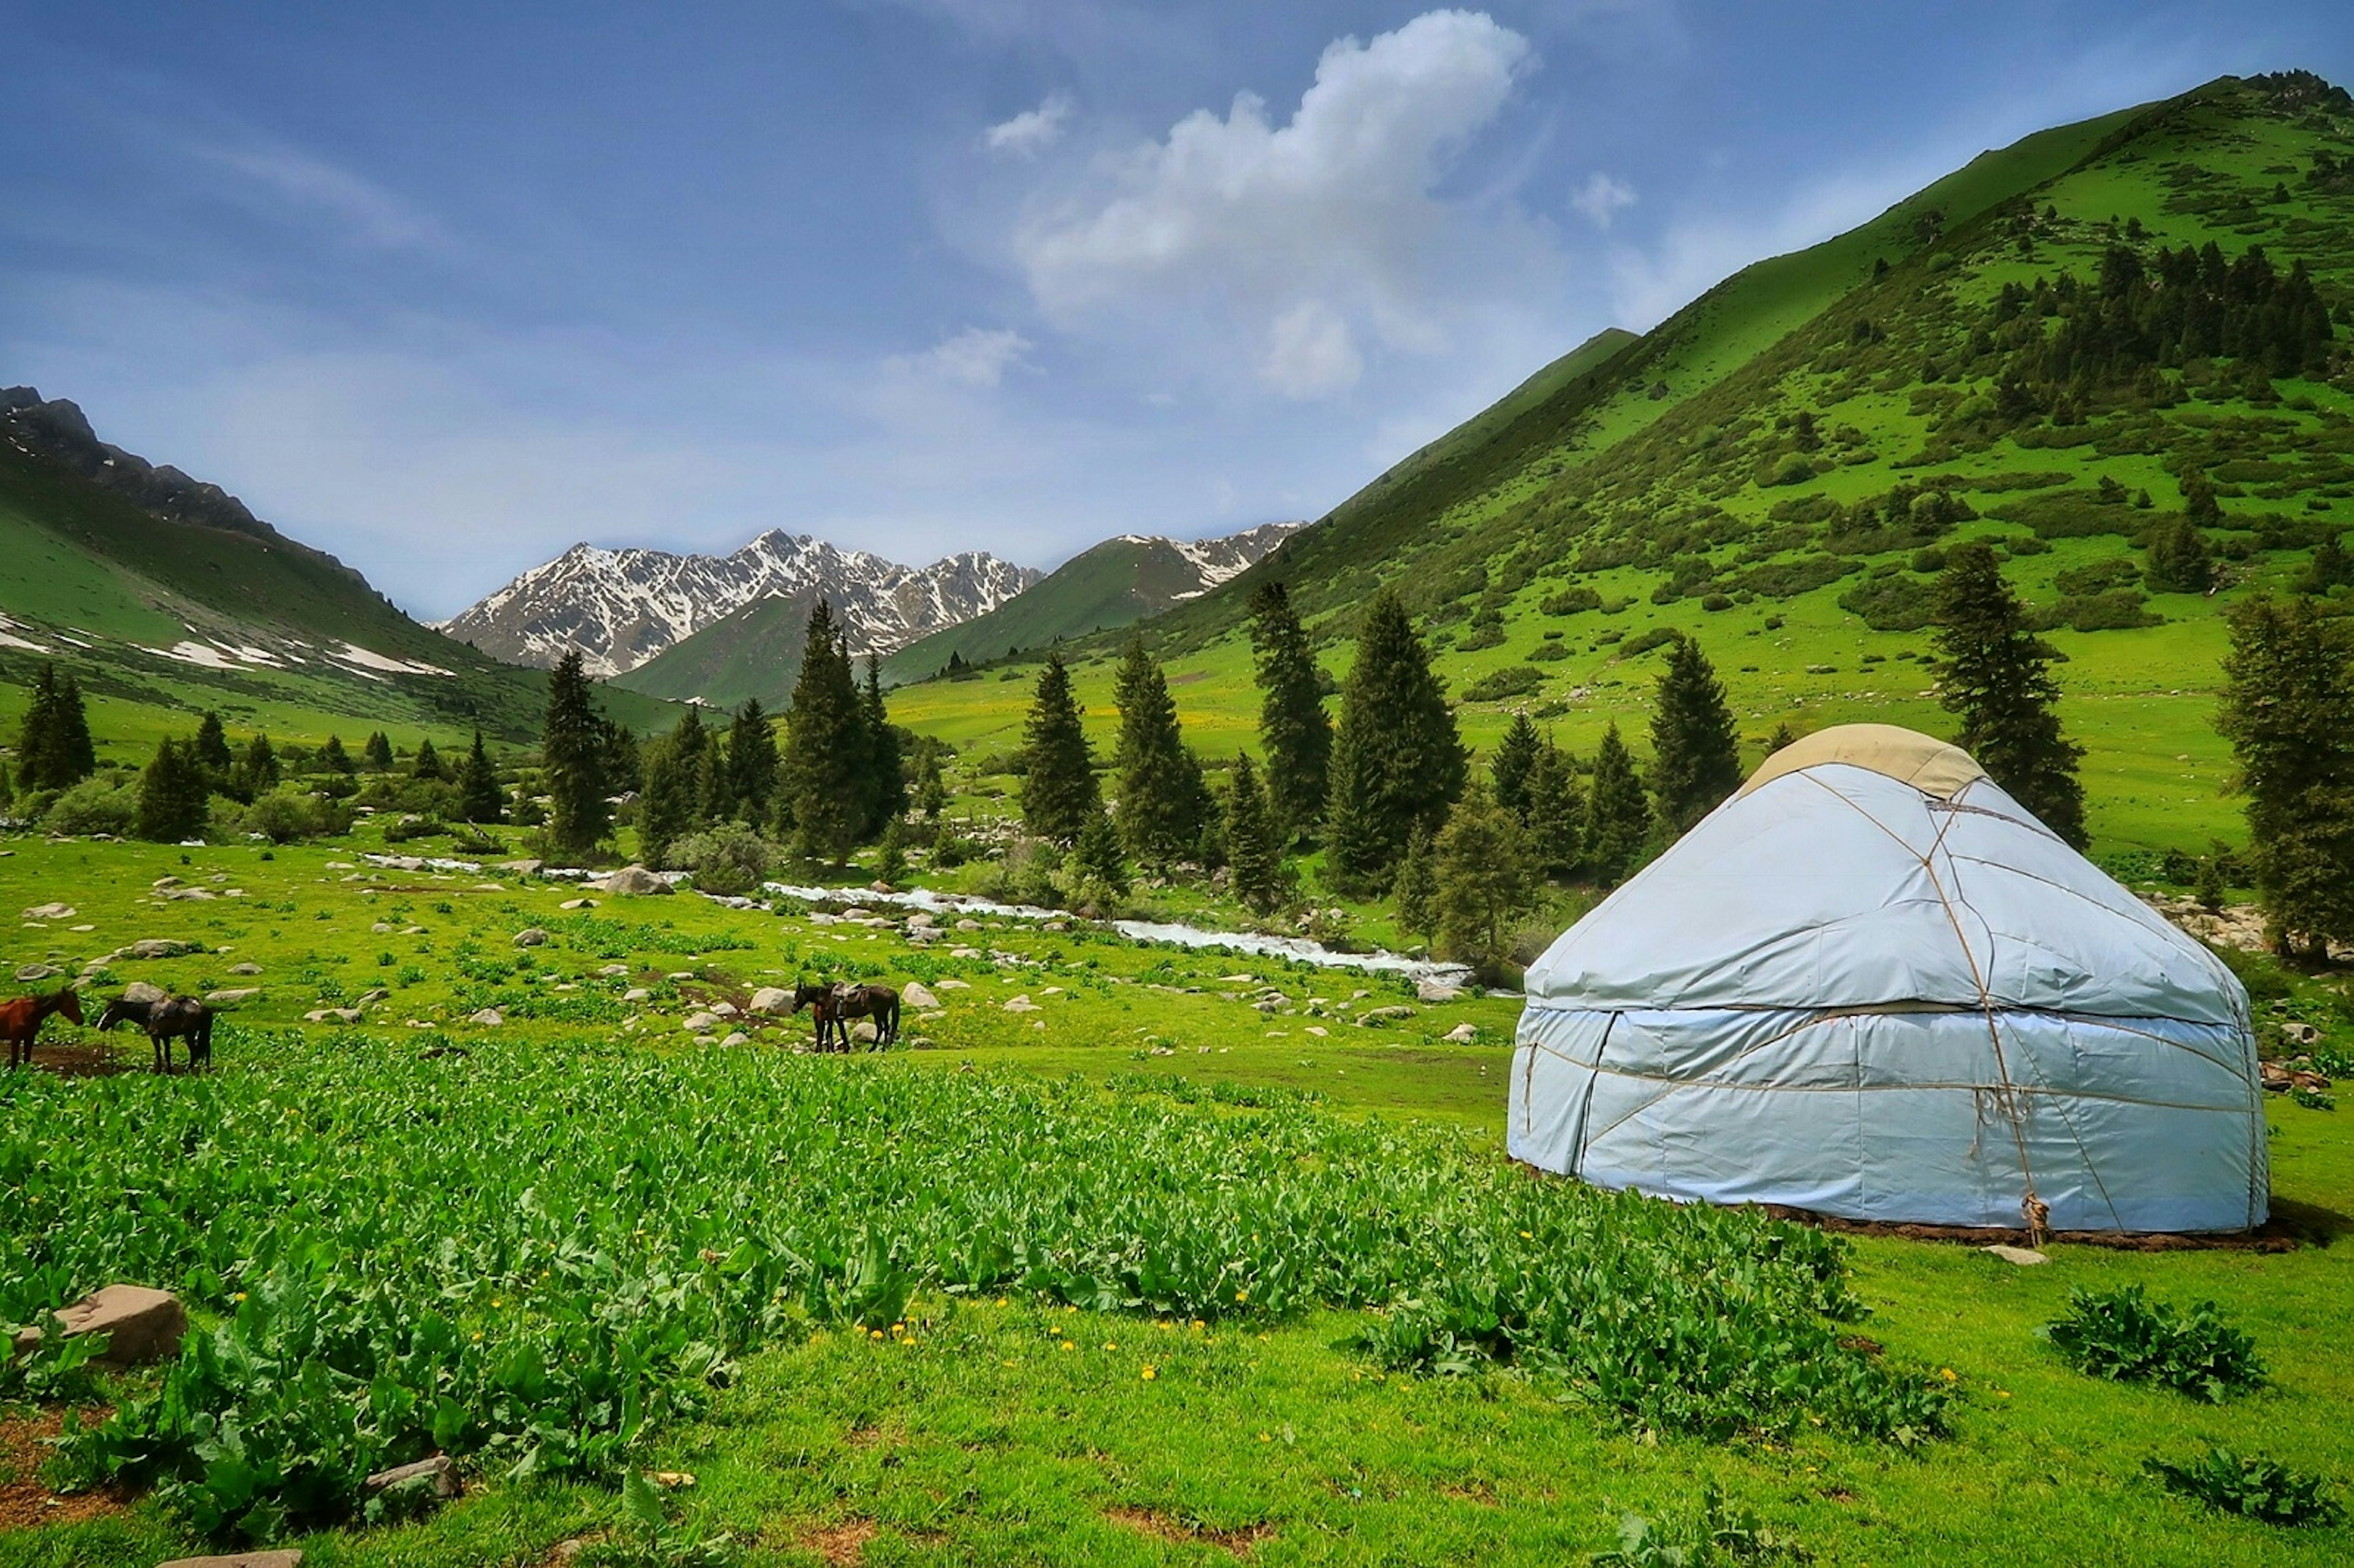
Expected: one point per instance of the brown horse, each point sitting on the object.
(835, 1005)
(20, 1019)
(181, 1016)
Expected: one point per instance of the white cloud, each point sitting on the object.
(1298, 240)
(977, 357)
(301, 184)
(1032, 131)
(1600, 198)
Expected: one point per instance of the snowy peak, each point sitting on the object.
(619, 607)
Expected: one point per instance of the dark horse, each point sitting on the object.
(20, 1019)
(184, 1016)
(835, 1005)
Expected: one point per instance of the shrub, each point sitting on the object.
(2119, 1335)
(288, 813)
(101, 804)
(2253, 1488)
(1571, 601)
(1511, 681)
(727, 859)
(1716, 1535)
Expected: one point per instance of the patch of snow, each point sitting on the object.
(202, 653)
(367, 659)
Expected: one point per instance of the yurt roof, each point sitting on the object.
(1933, 767)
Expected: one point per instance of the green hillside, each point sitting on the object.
(1775, 468)
(160, 618)
(754, 651)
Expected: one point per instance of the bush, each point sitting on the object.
(2119, 1335)
(409, 828)
(2253, 1488)
(1716, 1535)
(1571, 601)
(1511, 681)
(729, 859)
(106, 803)
(288, 813)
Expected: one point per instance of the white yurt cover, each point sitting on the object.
(1873, 986)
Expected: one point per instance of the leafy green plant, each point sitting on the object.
(1715, 1536)
(2252, 1487)
(2120, 1334)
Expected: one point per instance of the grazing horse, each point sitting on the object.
(819, 1000)
(835, 1005)
(184, 1016)
(20, 1019)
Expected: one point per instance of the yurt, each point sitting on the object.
(1873, 986)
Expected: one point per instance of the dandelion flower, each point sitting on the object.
(1949, 1374)
(1150, 1373)
(1528, 1236)
(1242, 1295)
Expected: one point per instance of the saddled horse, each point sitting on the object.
(20, 1019)
(835, 1005)
(183, 1017)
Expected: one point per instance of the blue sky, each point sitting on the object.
(443, 287)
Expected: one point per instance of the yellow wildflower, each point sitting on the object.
(1150, 1373)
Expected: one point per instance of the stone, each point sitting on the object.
(1022, 1004)
(855, 912)
(521, 868)
(954, 984)
(2025, 1258)
(141, 1325)
(864, 1033)
(916, 994)
(370, 998)
(160, 947)
(489, 1018)
(1384, 1015)
(1462, 1034)
(142, 993)
(531, 937)
(1319, 1031)
(636, 993)
(701, 1022)
(773, 1001)
(577, 904)
(632, 880)
(724, 1008)
(921, 921)
(961, 924)
(31, 972)
(231, 996)
(615, 971)
(332, 1015)
(248, 968)
(381, 928)
(2297, 1034)
(433, 1477)
(289, 1557)
(737, 1037)
(1434, 989)
(161, 882)
(51, 912)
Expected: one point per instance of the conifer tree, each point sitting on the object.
(670, 793)
(54, 749)
(427, 763)
(2288, 711)
(886, 775)
(480, 799)
(1556, 813)
(1783, 735)
(1059, 800)
(333, 758)
(931, 782)
(172, 794)
(1996, 675)
(2330, 567)
(1397, 762)
(1416, 891)
(2200, 507)
(1516, 758)
(212, 746)
(257, 771)
(890, 854)
(1696, 759)
(2179, 560)
(1293, 727)
(752, 763)
(825, 747)
(573, 745)
(1254, 850)
(7, 792)
(1618, 817)
(1098, 871)
(376, 755)
(1481, 879)
(1161, 801)
(76, 754)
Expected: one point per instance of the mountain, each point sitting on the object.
(165, 592)
(621, 607)
(1113, 585)
(2030, 351)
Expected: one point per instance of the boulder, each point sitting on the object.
(332, 1015)
(916, 994)
(2024, 1257)
(1434, 989)
(51, 912)
(142, 993)
(737, 1037)
(521, 868)
(636, 993)
(724, 1008)
(231, 996)
(425, 1481)
(489, 1018)
(633, 881)
(971, 925)
(864, 1033)
(31, 972)
(370, 998)
(160, 947)
(2297, 1034)
(161, 882)
(1462, 1034)
(531, 937)
(774, 1000)
(288, 1557)
(921, 921)
(855, 912)
(1023, 1004)
(248, 968)
(615, 971)
(701, 1022)
(1382, 1015)
(141, 1325)
(577, 904)
(954, 984)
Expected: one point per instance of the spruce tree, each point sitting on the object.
(931, 783)
(572, 746)
(2330, 567)
(890, 854)
(1696, 759)
(257, 771)
(2288, 711)
(752, 765)
(376, 755)
(826, 779)
(1098, 871)
(2179, 560)
(2200, 506)
(886, 775)
(212, 746)
(1059, 800)
(1293, 727)
(1996, 674)
(1556, 811)
(1783, 735)
(333, 758)
(37, 754)
(1416, 890)
(1162, 801)
(1516, 758)
(1618, 817)
(76, 756)
(480, 799)
(1397, 762)
(427, 763)
(1254, 848)
(172, 794)
(668, 797)
(1482, 881)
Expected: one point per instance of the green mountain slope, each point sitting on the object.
(1775, 469)
(161, 616)
(756, 652)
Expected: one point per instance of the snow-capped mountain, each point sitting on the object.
(1215, 560)
(620, 608)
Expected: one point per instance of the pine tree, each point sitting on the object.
(1783, 735)
(931, 783)
(1516, 757)
(1556, 813)
(1482, 881)
(1996, 674)
(1059, 800)
(427, 763)
(890, 854)
(54, 749)
(2330, 567)
(376, 755)
(333, 758)
(480, 799)
(1696, 759)
(670, 793)
(1162, 803)
(2200, 506)
(1098, 871)
(572, 746)
(172, 794)
(1254, 852)
(212, 746)
(825, 777)
(1293, 727)
(1416, 891)
(76, 755)
(257, 771)
(886, 774)
(1618, 817)
(1397, 762)
(2179, 560)
(752, 763)
(2288, 711)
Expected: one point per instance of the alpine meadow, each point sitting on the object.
(1741, 961)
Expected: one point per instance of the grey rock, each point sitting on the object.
(489, 1018)
(915, 994)
(1384, 1015)
(1433, 990)
(51, 912)
(1462, 1034)
(161, 948)
(736, 1038)
(332, 1015)
(632, 880)
(433, 1477)
(141, 1325)
(701, 1022)
(636, 993)
(248, 968)
(522, 867)
(231, 996)
(2023, 1257)
(773, 1001)
(577, 904)
(31, 972)
(143, 994)
(531, 937)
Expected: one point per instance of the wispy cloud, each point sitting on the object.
(305, 187)
(1601, 198)
(977, 357)
(1032, 131)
